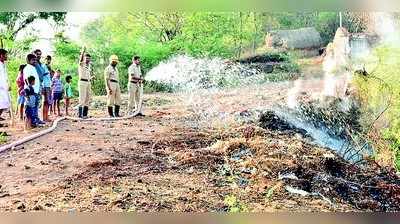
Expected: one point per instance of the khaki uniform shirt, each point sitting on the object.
(85, 71)
(111, 73)
(134, 71)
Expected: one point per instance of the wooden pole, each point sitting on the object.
(240, 35)
(255, 33)
(12, 123)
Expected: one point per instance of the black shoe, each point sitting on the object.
(80, 112)
(116, 113)
(3, 133)
(110, 111)
(141, 115)
(85, 112)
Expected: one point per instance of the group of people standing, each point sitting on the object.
(41, 87)
(35, 81)
(112, 84)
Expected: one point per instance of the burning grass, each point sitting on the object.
(275, 169)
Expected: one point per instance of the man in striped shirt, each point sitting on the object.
(58, 90)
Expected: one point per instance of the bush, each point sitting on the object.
(66, 60)
(380, 90)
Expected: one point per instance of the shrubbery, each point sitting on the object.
(158, 36)
(380, 90)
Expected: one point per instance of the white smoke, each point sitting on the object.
(336, 72)
(293, 93)
(386, 28)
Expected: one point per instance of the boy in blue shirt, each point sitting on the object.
(30, 104)
(58, 91)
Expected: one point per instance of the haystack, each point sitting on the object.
(341, 44)
(304, 38)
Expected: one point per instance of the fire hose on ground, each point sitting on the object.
(24, 140)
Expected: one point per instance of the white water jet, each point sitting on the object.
(200, 80)
(189, 73)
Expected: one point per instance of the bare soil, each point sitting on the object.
(193, 152)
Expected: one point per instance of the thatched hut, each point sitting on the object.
(300, 39)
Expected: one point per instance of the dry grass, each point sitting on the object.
(384, 156)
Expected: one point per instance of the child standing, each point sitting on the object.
(52, 111)
(21, 97)
(47, 82)
(57, 91)
(68, 93)
(30, 103)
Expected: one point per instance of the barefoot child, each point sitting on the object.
(30, 103)
(52, 111)
(21, 97)
(47, 68)
(68, 93)
(57, 91)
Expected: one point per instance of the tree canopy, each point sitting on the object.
(15, 22)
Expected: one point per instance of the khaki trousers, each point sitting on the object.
(135, 97)
(115, 97)
(85, 89)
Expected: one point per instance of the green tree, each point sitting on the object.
(17, 21)
(165, 26)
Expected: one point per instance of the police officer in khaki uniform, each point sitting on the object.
(112, 85)
(135, 87)
(85, 76)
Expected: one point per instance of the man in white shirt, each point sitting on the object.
(4, 87)
(30, 70)
(135, 87)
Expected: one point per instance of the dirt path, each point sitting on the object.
(86, 154)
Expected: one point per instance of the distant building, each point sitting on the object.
(306, 39)
(362, 43)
